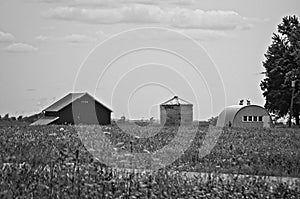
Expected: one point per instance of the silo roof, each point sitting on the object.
(176, 101)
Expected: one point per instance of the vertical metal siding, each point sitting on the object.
(176, 114)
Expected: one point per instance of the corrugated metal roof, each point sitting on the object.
(44, 121)
(63, 102)
(228, 115)
(176, 101)
(68, 99)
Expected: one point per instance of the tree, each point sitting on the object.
(13, 118)
(20, 118)
(282, 66)
(6, 116)
(213, 121)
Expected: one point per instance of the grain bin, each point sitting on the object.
(176, 111)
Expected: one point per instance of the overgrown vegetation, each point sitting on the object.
(51, 162)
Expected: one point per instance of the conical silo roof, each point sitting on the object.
(176, 101)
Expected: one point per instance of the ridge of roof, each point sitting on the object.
(68, 99)
(64, 101)
(176, 101)
(99, 102)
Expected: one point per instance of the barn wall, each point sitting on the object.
(84, 111)
(103, 115)
(65, 116)
(51, 113)
(249, 111)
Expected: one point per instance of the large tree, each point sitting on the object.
(282, 66)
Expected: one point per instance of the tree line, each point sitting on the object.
(20, 118)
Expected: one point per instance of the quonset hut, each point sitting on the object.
(76, 108)
(176, 111)
(245, 116)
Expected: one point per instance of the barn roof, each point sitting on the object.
(44, 120)
(68, 99)
(63, 102)
(228, 114)
(176, 101)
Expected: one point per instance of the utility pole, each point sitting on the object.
(292, 102)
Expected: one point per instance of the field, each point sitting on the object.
(52, 162)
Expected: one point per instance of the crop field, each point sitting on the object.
(53, 162)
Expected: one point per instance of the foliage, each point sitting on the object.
(6, 116)
(95, 181)
(20, 118)
(51, 162)
(282, 65)
(213, 121)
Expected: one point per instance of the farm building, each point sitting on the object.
(245, 116)
(76, 108)
(176, 111)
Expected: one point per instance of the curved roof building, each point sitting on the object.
(245, 116)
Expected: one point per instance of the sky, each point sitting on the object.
(133, 55)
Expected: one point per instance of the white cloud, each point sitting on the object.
(101, 16)
(48, 28)
(20, 48)
(177, 17)
(185, 18)
(164, 2)
(177, 34)
(6, 37)
(204, 35)
(101, 35)
(73, 38)
(78, 38)
(42, 38)
(119, 2)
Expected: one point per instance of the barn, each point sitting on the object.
(76, 108)
(245, 116)
(176, 111)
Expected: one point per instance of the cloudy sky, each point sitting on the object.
(134, 54)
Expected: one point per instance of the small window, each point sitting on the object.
(255, 118)
(250, 118)
(245, 118)
(260, 118)
(84, 101)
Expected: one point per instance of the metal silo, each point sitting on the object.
(176, 111)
